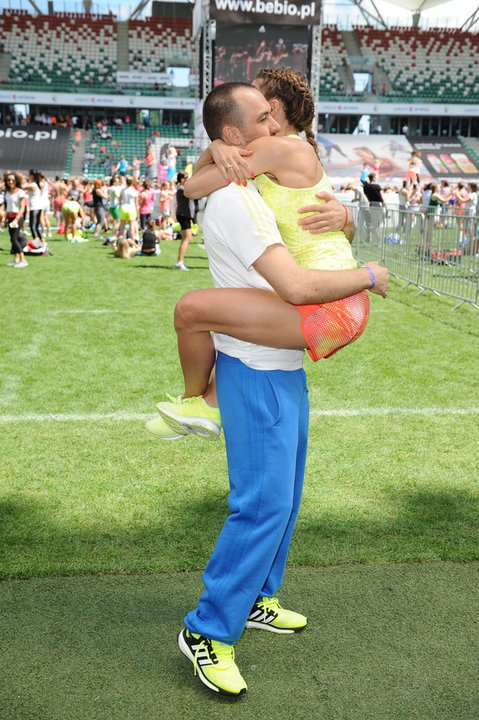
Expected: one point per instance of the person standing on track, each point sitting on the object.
(185, 219)
(264, 405)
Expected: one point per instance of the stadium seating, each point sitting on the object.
(74, 51)
(435, 64)
(62, 51)
(333, 56)
(155, 44)
(130, 142)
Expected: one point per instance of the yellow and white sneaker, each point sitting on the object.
(267, 614)
(191, 415)
(213, 662)
(160, 429)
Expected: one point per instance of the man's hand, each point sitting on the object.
(382, 279)
(330, 215)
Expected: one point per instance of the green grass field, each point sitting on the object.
(87, 349)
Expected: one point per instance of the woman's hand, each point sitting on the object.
(229, 159)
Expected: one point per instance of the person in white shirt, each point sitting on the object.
(34, 187)
(129, 209)
(264, 407)
(15, 206)
(470, 212)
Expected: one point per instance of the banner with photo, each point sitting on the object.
(345, 157)
(447, 159)
(271, 12)
(242, 50)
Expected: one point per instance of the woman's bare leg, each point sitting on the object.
(256, 316)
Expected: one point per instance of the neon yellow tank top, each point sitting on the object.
(328, 251)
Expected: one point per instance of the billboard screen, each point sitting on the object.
(272, 12)
(446, 158)
(33, 147)
(242, 50)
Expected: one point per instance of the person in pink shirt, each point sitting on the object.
(147, 202)
(165, 198)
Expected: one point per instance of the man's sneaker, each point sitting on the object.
(191, 415)
(267, 614)
(22, 263)
(213, 662)
(157, 427)
(180, 266)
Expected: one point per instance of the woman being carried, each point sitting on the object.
(294, 177)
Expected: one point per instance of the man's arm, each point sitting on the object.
(299, 286)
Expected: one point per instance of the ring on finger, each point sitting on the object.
(228, 167)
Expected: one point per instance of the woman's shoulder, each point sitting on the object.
(285, 142)
(285, 151)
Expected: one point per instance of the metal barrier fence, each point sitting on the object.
(434, 251)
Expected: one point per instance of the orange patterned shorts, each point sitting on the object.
(328, 327)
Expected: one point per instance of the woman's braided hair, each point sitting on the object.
(292, 89)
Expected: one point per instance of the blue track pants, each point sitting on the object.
(265, 417)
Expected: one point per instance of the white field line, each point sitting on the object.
(121, 416)
(106, 311)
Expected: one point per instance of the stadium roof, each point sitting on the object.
(417, 5)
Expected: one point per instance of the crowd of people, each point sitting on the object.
(400, 208)
(133, 215)
(106, 155)
(130, 214)
(455, 199)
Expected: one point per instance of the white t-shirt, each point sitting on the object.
(114, 196)
(45, 193)
(13, 200)
(35, 199)
(471, 204)
(128, 196)
(238, 226)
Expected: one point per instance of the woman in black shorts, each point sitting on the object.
(183, 216)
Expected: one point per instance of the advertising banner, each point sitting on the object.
(33, 147)
(87, 100)
(242, 50)
(446, 158)
(393, 108)
(271, 12)
(345, 157)
(139, 78)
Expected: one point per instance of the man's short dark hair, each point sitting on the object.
(371, 177)
(219, 109)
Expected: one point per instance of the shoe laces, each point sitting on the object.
(267, 604)
(181, 400)
(221, 653)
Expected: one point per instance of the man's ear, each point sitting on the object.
(232, 135)
(275, 106)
